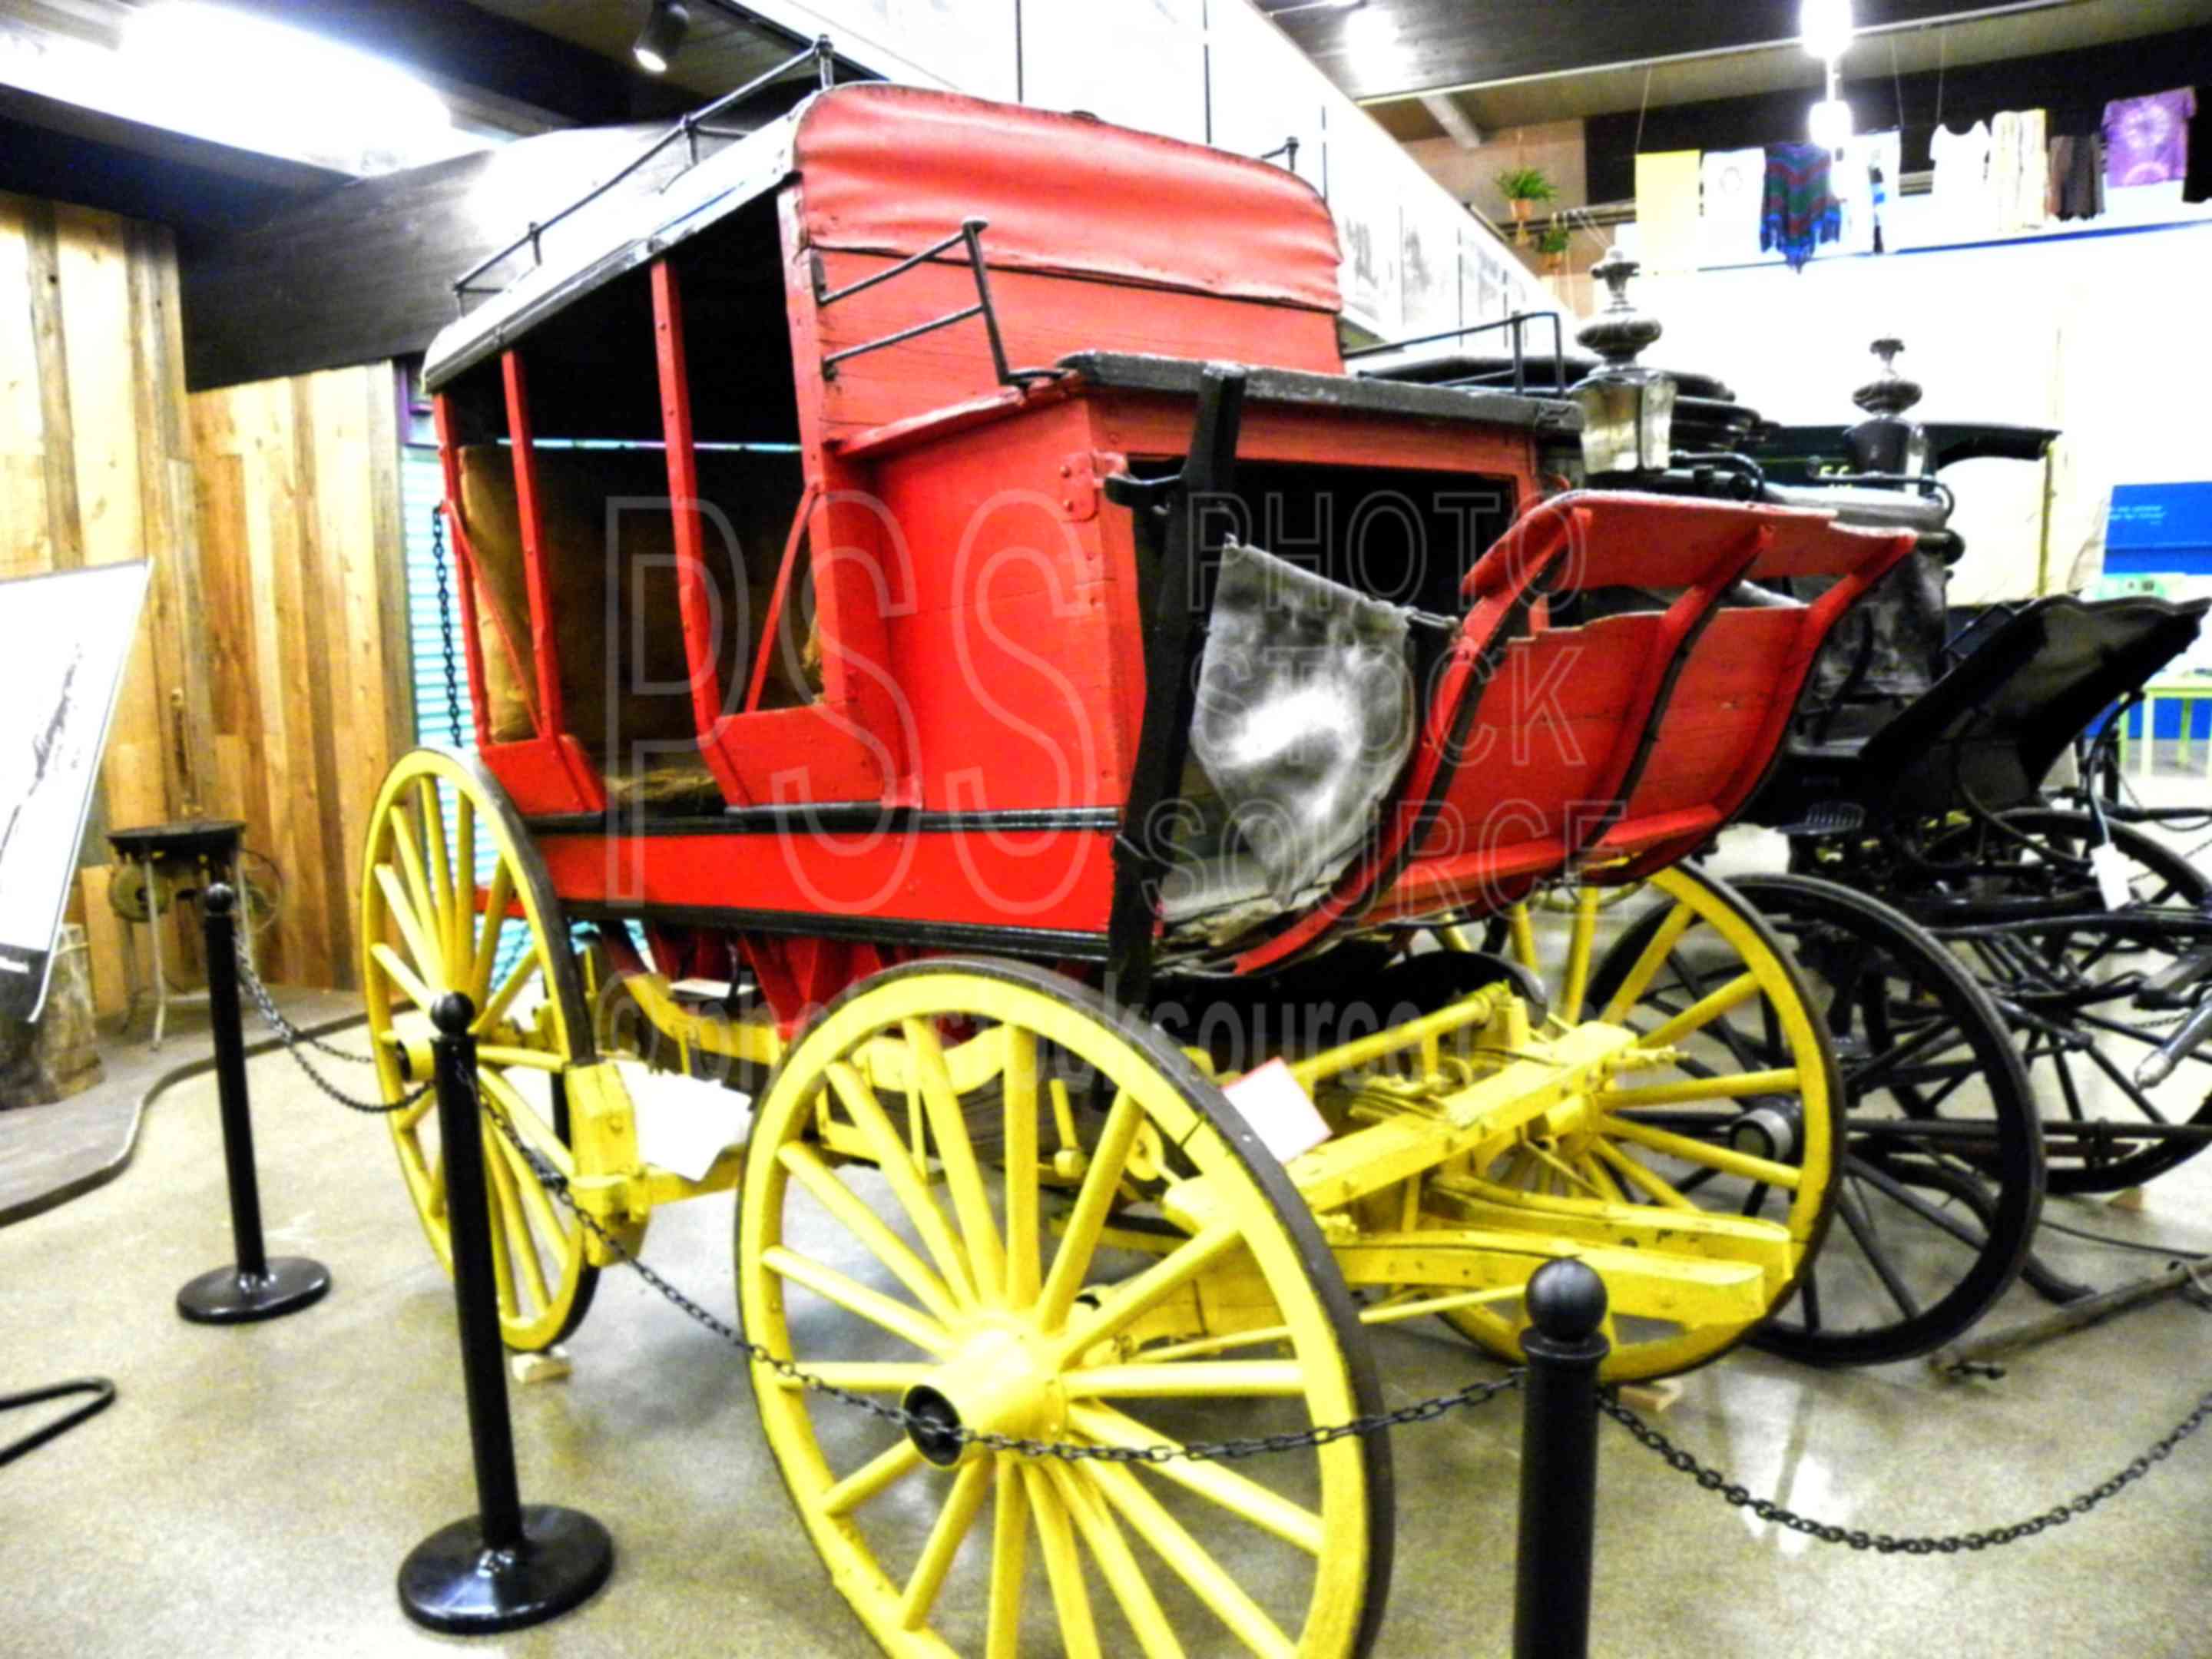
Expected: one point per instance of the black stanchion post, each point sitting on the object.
(1558, 1462)
(255, 1287)
(511, 1564)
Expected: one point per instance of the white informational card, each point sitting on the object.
(1279, 1110)
(66, 638)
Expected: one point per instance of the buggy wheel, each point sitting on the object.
(1745, 1122)
(2068, 995)
(453, 898)
(1942, 1164)
(878, 1250)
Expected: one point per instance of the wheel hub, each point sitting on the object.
(999, 1382)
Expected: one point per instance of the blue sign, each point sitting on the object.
(2160, 519)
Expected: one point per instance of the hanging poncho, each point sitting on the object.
(1802, 210)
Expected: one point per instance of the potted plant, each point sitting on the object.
(1553, 245)
(1522, 188)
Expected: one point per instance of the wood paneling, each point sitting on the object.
(95, 469)
(309, 679)
(268, 680)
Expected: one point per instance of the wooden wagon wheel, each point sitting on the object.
(453, 898)
(1754, 1058)
(854, 1263)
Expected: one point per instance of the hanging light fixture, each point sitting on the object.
(662, 36)
(1832, 125)
(1827, 28)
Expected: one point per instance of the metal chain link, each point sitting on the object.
(445, 622)
(1714, 1480)
(952, 1435)
(296, 1040)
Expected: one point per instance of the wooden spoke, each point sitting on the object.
(1650, 1182)
(986, 1256)
(533, 1060)
(1131, 1298)
(1703, 1011)
(1239, 1494)
(1783, 1080)
(898, 1166)
(540, 1207)
(1063, 1566)
(1214, 1379)
(423, 908)
(527, 967)
(1707, 1154)
(465, 882)
(409, 921)
(1124, 1575)
(1191, 1563)
(402, 976)
(1093, 1200)
(527, 1124)
(877, 1474)
(1199, 1346)
(1019, 1086)
(502, 1265)
(1631, 990)
(863, 1223)
(487, 933)
(909, 1324)
(1009, 1561)
(441, 880)
(1574, 991)
(521, 1249)
(970, 1487)
(1523, 931)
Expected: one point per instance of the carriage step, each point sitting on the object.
(1829, 818)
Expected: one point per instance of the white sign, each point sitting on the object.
(65, 638)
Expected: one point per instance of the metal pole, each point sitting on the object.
(255, 1287)
(476, 1292)
(507, 1566)
(1558, 1462)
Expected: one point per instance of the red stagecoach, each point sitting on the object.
(944, 631)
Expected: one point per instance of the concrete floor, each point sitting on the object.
(254, 1490)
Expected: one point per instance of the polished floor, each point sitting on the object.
(254, 1489)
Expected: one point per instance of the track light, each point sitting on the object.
(662, 36)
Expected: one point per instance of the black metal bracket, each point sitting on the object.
(1170, 514)
(1518, 322)
(970, 235)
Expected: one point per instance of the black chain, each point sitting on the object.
(296, 1040)
(1882, 1543)
(938, 1433)
(446, 623)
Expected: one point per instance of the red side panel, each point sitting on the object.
(547, 775)
(888, 169)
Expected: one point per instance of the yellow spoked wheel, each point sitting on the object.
(901, 1235)
(433, 922)
(1736, 1117)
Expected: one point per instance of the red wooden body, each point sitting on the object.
(979, 603)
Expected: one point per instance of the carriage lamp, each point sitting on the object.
(1628, 410)
(658, 41)
(1888, 443)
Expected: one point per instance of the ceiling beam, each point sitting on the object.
(1446, 113)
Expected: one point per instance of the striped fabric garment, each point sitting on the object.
(1802, 210)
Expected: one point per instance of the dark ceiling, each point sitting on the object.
(1444, 45)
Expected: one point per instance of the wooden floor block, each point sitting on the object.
(2131, 1200)
(1651, 1397)
(550, 1366)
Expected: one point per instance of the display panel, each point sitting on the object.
(65, 638)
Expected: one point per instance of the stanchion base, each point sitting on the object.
(228, 1297)
(450, 1582)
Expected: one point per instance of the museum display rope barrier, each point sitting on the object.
(294, 1040)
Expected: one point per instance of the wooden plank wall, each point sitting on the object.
(96, 468)
(312, 693)
(270, 679)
